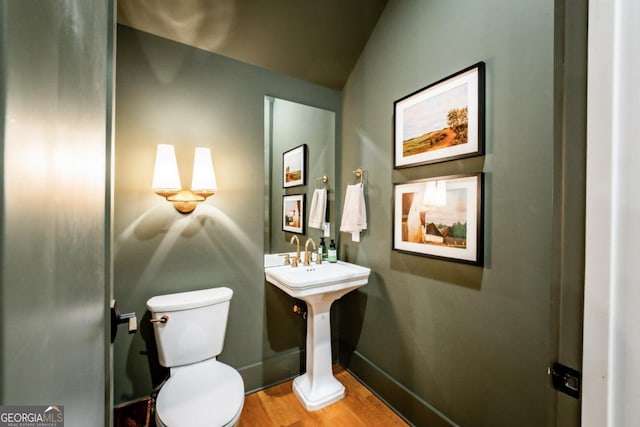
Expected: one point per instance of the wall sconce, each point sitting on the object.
(166, 180)
(435, 193)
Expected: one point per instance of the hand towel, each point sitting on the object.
(354, 213)
(318, 210)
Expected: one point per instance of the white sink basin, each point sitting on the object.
(318, 285)
(305, 281)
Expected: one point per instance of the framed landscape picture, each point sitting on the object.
(443, 121)
(293, 213)
(294, 166)
(440, 218)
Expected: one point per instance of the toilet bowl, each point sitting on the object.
(201, 391)
(204, 394)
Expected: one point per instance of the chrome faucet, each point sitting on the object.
(307, 254)
(295, 261)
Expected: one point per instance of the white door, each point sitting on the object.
(611, 371)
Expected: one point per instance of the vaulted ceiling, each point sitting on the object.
(314, 40)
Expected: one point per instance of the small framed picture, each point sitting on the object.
(293, 208)
(440, 217)
(443, 121)
(294, 164)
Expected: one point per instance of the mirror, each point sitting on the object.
(289, 125)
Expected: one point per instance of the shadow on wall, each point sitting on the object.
(351, 312)
(468, 276)
(286, 337)
(284, 330)
(143, 345)
(373, 308)
(158, 372)
(160, 221)
(152, 256)
(186, 22)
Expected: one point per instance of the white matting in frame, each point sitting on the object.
(443, 121)
(425, 224)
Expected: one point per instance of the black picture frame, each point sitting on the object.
(449, 229)
(442, 121)
(293, 213)
(294, 167)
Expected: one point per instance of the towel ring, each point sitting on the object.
(324, 181)
(359, 173)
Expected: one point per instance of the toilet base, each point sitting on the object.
(316, 392)
(231, 423)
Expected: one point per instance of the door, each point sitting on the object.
(54, 235)
(612, 296)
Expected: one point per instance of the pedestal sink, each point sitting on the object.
(318, 285)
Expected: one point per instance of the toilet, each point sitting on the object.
(190, 329)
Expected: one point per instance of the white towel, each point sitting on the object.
(318, 210)
(354, 213)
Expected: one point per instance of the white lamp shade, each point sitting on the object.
(435, 193)
(430, 193)
(204, 177)
(165, 173)
(441, 193)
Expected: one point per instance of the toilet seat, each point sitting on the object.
(205, 394)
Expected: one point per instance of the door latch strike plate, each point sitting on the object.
(566, 380)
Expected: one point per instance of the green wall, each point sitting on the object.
(171, 93)
(441, 340)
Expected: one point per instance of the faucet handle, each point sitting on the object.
(287, 259)
(294, 261)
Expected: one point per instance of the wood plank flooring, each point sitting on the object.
(278, 406)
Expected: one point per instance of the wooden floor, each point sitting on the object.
(278, 406)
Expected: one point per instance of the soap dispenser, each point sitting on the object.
(333, 252)
(322, 250)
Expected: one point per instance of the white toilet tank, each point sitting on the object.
(195, 325)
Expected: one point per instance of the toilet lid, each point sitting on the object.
(203, 394)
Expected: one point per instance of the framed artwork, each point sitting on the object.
(443, 121)
(440, 217)
(294, 166)
(293, 208)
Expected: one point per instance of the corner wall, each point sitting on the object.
(445, 342)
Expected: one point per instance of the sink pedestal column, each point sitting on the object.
(317, 387)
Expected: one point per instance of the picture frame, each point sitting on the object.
(294, 167)
(440, 217)
(293, 213)
(443, 121)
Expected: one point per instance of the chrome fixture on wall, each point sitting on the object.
(166, 180)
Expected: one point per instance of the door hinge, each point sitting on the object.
(566, 380)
